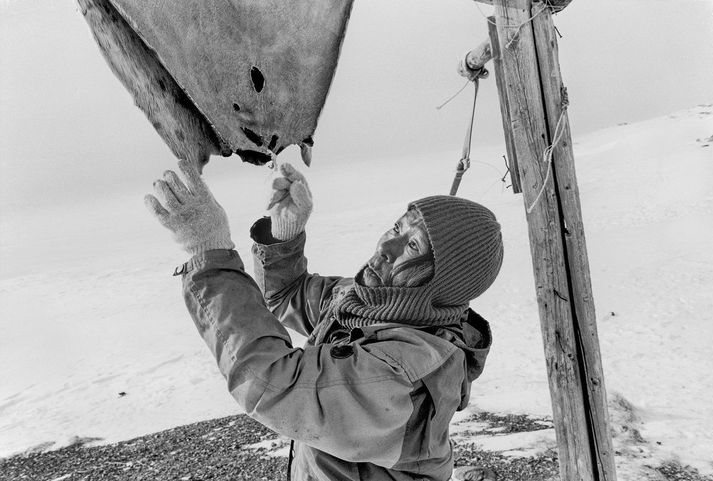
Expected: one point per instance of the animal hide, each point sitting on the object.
(223, 76)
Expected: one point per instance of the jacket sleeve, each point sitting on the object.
(350, 402)
(293, 295)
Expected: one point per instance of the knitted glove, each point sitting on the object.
(190, 211)
(290, 203)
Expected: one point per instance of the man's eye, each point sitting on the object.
(396, 228)
(413, 245)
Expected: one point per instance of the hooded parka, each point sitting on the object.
(371, 402)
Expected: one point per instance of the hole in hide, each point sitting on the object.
(162, 85)
(253, 157)
(273, 142)
(236, 107)
(252, 136)
(258, 79)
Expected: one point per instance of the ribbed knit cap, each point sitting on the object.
(468, 252)
(467, 247)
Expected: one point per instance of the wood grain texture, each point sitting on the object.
(565, 181)
(531, 137)
(504, 107)
(558, 5)
(171, 112)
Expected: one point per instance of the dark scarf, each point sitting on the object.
(468, 252)
(361, 306)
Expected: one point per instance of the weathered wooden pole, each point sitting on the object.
(474, 63)
(533, 104)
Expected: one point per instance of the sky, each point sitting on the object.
(69, 130)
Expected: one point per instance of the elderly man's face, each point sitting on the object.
(403, 255)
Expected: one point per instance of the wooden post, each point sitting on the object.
(504, 108)
(556, 4)
(475, 61)
(575, 247)
(531, 86)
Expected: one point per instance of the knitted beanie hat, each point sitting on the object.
(467, 247)
(468, 252)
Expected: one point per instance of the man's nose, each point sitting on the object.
(392, 248)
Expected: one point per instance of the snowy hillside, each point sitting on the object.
(89, 309)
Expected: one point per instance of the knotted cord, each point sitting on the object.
(474, 75)
(464, 162)
(547, 154)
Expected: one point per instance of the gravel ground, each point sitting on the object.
(214, 450)
(209, 450)
(542, 468)
(673, 471)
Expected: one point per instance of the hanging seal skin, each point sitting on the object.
(391, 353)
(223, 77)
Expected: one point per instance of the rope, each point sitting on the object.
(547, 154)
(453, 96)
(464, 162)
(518, 27)
(474, 76)
(470, 74)
(517, 30)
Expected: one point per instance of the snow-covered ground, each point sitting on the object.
(89, 309)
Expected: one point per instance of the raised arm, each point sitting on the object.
(355, 407)
(294, 296)
(311, 395)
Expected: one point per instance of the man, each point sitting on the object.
(390, 354)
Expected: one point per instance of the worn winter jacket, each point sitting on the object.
(372, 403)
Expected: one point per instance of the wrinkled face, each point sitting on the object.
(403, 255)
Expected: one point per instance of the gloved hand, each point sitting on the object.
(290, 203)
(190, 211)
